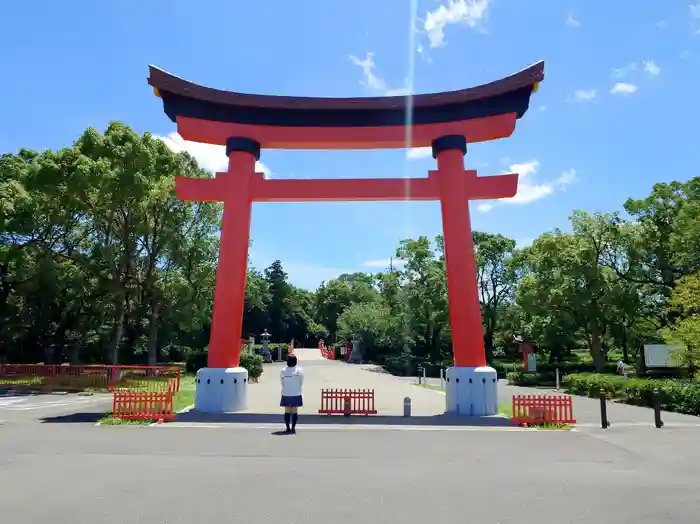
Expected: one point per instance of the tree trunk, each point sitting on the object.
(488, 344)
(625, 349)
(596, 349)
(120, 310)
(153, 332)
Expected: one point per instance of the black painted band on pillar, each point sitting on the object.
(241, 143)
(446, 142)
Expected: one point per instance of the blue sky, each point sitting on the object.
(616, 113)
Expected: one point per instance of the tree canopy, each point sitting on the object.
(100, 262)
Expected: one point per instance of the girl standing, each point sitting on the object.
(292, 379)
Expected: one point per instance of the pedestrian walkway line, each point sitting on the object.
(338, 427)
(45, 405)
(9, 401)
(640, 425)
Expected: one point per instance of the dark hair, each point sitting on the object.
(291, 360)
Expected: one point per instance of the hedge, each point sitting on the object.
(195, 360)
(682, 396)
(530, 379)
(254, 365)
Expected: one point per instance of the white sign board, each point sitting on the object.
(659, 355)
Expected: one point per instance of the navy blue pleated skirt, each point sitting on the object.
(291, 402)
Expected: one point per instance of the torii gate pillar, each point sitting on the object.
(471, 386)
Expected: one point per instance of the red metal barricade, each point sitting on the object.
(347, 402)
(542, 409)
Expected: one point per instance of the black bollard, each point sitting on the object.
(657, 409)
(604, 422)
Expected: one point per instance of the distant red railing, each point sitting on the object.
(80, 377)
(542, 409)
(327, 353)
(138, 405)
(347, 402)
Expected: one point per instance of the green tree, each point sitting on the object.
(495, 280)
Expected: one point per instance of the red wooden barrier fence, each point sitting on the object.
(137, 405)
(328, 353)
(347, 402)
(139, 392)
(542, 409)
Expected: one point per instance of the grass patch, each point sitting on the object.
(505, 409)
(430, 386)
(109, 420)
(185, 397)
(551, 425)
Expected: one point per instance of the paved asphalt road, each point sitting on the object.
(25, 408)
(74, 473)
(57, 467)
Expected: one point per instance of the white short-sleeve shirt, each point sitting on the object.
(292, 381)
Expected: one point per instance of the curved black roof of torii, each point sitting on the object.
(507, 95)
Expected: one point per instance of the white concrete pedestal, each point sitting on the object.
(221, 390)
(471, 391)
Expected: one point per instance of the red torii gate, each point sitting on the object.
(245, 123)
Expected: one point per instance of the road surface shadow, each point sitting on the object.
(27, 392)
(379, 420)
(74, 418)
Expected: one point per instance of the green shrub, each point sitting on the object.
(400, 364)
(504, 368)
(547, 371)
(528, 378)
(195, 360)
(273, 347)
(254, 365)
(682, 396)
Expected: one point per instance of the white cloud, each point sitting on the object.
(374, 82)
(571, 21)
(529, 190)
(623, 88)
(526, 168)
(695, 15)
(209, 157)
(524, 242)
(468, 12)
(567, 177)
(651, 68)
(621, 72)
(585, 95)
(416, 153)
(384, 263)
